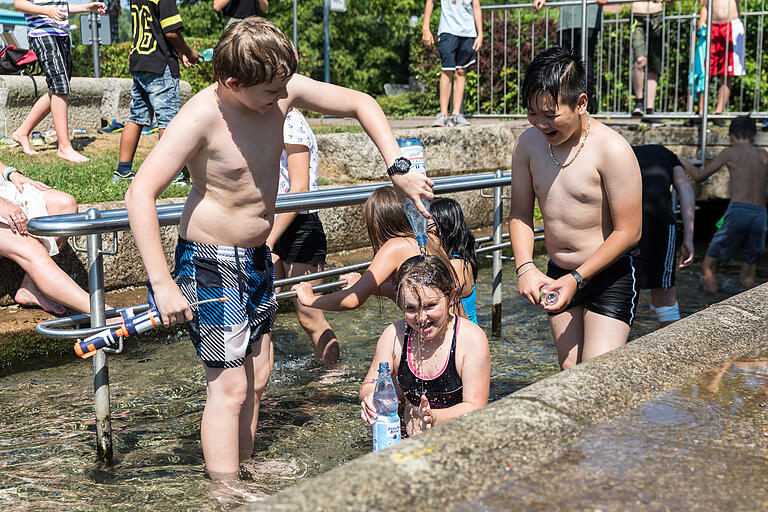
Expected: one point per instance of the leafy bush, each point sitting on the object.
(416, 103)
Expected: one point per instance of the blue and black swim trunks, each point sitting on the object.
(222, 332)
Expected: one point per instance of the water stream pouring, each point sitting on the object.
(413, 150)
(131, 326)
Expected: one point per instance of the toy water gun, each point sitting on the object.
(131, 326)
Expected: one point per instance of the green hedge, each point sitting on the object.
(114, 62)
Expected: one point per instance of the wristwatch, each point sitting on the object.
(399, 166)
(580, 282)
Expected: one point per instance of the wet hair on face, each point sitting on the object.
(418, 272)
(743, 127)
(254, 51)
(555, 72)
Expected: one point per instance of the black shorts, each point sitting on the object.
(610, 293)
(303, 241)
(455, 51)
(656, 264)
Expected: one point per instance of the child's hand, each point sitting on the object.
(538, 4)
(368, 412)
(415, 186)
(304, 293)
(478, 43)
(529, 283)
(57, 13)
(171, 304)
(686, 254)
(97, 7)
(191, 58)
(350, 278)
(566, 288)
(427, 38)
(425, 413)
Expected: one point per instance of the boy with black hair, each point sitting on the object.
(154, 63)
(230, 135)
(744, 224)
(587, 182)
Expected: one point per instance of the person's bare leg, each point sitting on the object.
(445, 90)
(701, 104)
(48, 278)
(638, 76)
(61, 125)
(652, 85)
(663, 298)
(709, 274)
(602, 334)
(225, 395)
(723, 93)
(458, 89)
(59, 203)
(129, 141)
(748, 274)
(258, 367)
(312, 319)
(40, 109)
(568, 333)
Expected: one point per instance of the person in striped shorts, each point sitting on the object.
(661, 169)
(48, 33)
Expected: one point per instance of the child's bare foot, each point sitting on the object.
(23, 140)
(70, 155)
(30, 295)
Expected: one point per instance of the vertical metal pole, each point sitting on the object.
(100, 368)
(496, 292)
(295, 26)
(327, 41)
(95, 44)
(583, 32)
(703, 127)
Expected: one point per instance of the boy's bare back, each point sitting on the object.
(578, 201)
(748, 173)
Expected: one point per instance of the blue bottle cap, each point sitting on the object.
(384, 367)
(409, 142)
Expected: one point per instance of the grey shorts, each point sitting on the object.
(744, 226)
(647, 39)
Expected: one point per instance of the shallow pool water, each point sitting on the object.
(309, 422)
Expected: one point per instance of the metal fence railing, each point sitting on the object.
(94, 223)
(516, 32)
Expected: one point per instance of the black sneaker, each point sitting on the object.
(694, 121)
(119, 175)
(718, 121)
(638, 110)
(649, 119)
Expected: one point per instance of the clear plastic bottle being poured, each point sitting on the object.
(413, 150)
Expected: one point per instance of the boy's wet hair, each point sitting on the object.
(743, 127)
(254, 51)
(557, 71)
(419, 271)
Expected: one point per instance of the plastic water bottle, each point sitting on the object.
(413, 150)
(207, 54)
(386, 428)
(549, 297)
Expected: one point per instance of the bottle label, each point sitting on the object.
(386, 432)
(414, 151)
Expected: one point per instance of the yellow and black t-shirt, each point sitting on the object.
(151, 51)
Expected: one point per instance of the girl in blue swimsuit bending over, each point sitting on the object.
(440, 362)
(449, 225)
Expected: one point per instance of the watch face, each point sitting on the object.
(402, 165)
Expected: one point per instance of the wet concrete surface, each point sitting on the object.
(701, 447)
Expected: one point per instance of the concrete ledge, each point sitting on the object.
(91, 100)
(457, 462)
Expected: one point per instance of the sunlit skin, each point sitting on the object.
(592, 215)
(427, 313)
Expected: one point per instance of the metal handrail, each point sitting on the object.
(117, 220)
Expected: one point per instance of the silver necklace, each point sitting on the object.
(566, 164)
